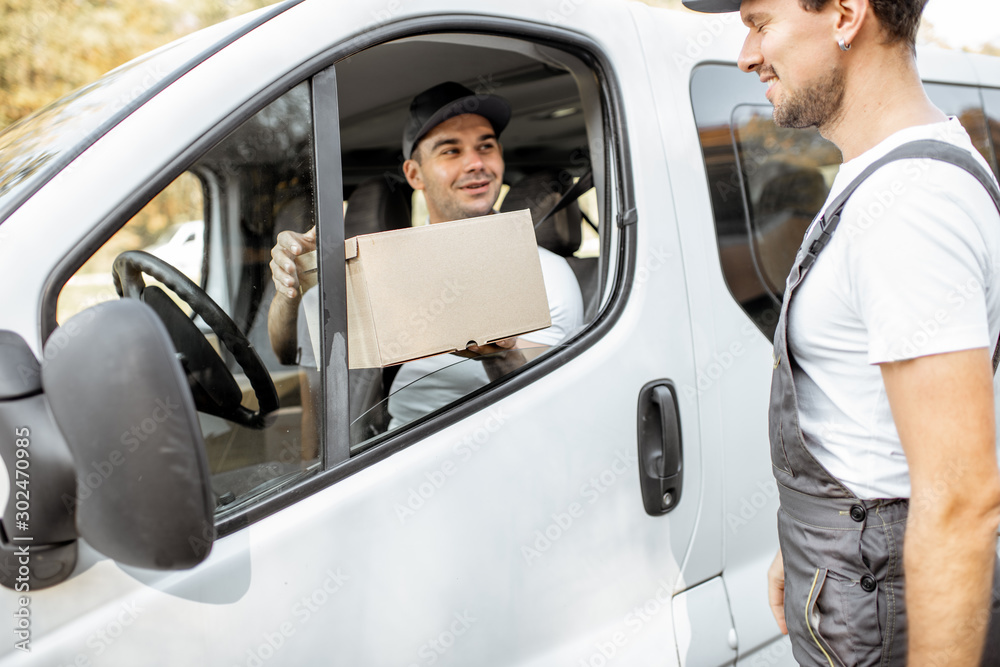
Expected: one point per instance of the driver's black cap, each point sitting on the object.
(447, 100)
(712, 6)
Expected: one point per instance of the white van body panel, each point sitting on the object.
(515, 535)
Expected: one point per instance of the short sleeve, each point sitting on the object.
(919, 265)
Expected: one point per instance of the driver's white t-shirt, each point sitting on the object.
(911, 271)
(445, 378)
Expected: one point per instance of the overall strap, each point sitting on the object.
(925, 148)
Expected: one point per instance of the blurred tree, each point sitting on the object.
(51, 47)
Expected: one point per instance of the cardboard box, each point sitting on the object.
(422, 291)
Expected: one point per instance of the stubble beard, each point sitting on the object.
(449, 207)
(816, 106)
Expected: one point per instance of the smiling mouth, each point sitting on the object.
(476, 187)
(769, 78)
(770, 86)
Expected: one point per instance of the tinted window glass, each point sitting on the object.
(766, 185)
(170, 227)
(991, 100)
(215, 225)
(965, 103)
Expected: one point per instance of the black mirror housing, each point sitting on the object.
(120, 398)
(37, 531)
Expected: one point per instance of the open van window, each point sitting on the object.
(546, 151)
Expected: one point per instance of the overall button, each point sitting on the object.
(868, 583)
(858, 513)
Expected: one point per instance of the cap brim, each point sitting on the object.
(491, 107)
(712, 6)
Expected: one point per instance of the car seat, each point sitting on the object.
(561, 232)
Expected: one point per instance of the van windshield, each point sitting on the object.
(33, 149)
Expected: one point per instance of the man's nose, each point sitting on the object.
(473, 161)
(750, 56)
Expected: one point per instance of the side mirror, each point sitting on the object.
(120, 400)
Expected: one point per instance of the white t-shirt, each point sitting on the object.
(446, 377)
(911, 271)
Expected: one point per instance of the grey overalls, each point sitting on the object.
(844, 589)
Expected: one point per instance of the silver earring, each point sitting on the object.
(844, 46)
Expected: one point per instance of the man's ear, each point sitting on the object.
(851, 17)
(411, 169)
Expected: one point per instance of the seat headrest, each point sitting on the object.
(538, 193)
(799, 190)
(377, 205)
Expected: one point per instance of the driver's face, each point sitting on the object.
(460, 168)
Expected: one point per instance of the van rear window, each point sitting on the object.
(767, 183)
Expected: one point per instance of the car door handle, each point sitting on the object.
(661, 456)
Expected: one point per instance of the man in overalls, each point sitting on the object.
(882, 410)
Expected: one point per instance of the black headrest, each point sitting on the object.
(538, 193)
(376, 205)
(800, 191)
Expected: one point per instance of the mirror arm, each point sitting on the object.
(38, 545)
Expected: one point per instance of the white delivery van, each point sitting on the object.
(175, 495)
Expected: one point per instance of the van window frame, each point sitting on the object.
(331, 227)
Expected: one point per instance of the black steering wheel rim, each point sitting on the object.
(127, 273)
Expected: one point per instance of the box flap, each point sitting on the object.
(351, 248)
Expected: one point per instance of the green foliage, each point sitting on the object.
(51, 47)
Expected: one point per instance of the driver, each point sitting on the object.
(453, 154)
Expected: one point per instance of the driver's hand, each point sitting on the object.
(501, 345)
(285, 269)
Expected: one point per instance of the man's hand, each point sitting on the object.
(495, 347)
(499, 357)
(943, 409)
(285, 267)
(776, 591)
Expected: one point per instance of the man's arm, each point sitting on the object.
(504, 357)
(943, 409)
(281, 327)
(283, 313)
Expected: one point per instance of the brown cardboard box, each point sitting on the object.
(422, 291)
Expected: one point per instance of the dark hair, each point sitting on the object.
(899, 18)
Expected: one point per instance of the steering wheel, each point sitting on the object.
(213, 386)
